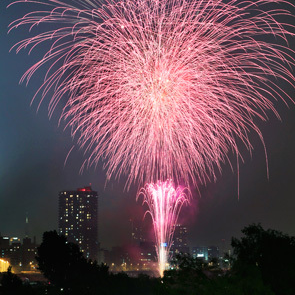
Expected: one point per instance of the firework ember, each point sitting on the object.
(161, 89)
(164, 203)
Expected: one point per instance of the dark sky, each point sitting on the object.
(32, 172)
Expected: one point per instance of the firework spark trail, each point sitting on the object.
(162, 89)
(164, 203)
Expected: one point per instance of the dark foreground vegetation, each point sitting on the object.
(263, 264)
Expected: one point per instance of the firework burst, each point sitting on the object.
(161, 89)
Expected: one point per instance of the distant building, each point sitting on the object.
(147, 252)
(78, 219)
(200, 252)
(131, 258)
(137, 233)
(4, 245)
(15, 255)
(103, 256)
(205, 253)
(179, 244)
(213, 252)
(21, 256)
(29, 251)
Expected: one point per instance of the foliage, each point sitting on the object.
(11, 284)
(271, 252)
(64, 266)
(194, 276)
(262, 265)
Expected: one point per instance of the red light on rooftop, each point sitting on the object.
(85, 189)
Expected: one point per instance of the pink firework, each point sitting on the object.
(164, 202)
(162, 89)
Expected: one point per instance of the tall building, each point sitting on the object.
(78, 219)
(29, 252)
(179, 244)
(148, 254)
(4, 243)
(213, 252)
(5, 247)
(15, 255)
(137, 232)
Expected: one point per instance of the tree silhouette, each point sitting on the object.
(194, 276)
(64, 265)
(11, 283)
(272, 252)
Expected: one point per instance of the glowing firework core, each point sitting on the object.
(164, 202)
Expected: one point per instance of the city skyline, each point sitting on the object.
(33, 152)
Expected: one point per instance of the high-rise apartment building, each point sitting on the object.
(213, 252)
(78, 219)
(179, 244)
(137, 232)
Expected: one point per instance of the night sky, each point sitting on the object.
(32, 171)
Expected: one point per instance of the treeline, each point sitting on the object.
(263, 263)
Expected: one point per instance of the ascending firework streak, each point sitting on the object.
(164, 202)
(162, 89)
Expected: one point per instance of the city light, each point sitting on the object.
(4, 264)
